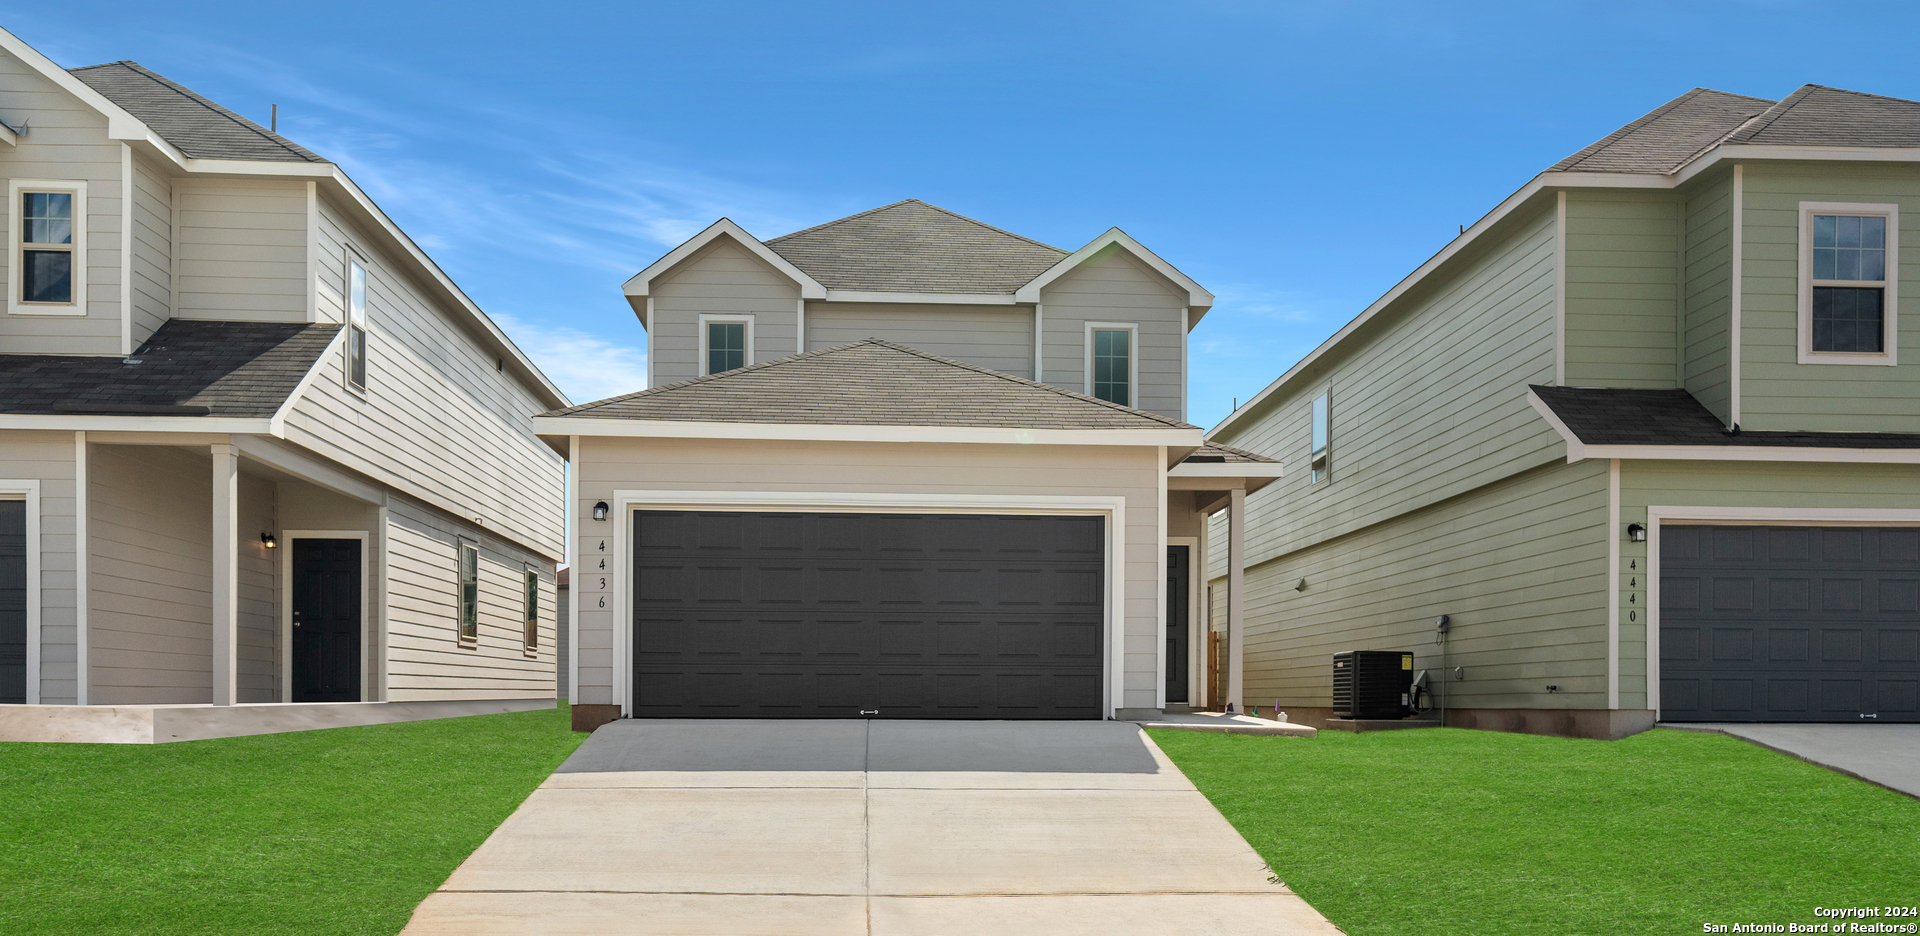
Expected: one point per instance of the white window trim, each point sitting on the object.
(1327, 475)
(15, 228)
(1889, 308)
(727, 318)
(29, 491)
(349, 258)
(285, 549)
(461, 545)
(1133, 358)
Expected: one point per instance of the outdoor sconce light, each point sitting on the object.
(267, 540)
(1302, 586)
(600, 511)
(1637, 532)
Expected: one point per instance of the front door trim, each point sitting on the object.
(285, 549)
(1731, 516)
(626, 502)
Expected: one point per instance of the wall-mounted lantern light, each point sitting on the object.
(267, 540)
(1302, 586)
(1637, 532)
(600, 511)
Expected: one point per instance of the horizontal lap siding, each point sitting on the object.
(721, 278)
(607, 465)
(68, 142)
(1520, 567)
(997, 337)
(1709, 295)
(1113, 286)
(1776, 391)
(425, 659)
(242, 247)
(48, 457)
(1622, 275)
(152, 249)
(438, 422)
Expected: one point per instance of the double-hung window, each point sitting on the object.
(532, 615)
(1319, 453)
(469, 593)
(1849, 271)
(726, 343)
(356, 323)
(1110, 363)
(49, 248)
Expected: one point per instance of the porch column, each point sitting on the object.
(1236, 577)
(226, 574)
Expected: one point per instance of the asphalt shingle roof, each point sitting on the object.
(186, 369)
(911, 246)
(872, 383)
(1673, 417)
(1681, 130)
(194, 125)
(1217, 453)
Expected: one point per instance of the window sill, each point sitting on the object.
(31, 308)
(1883, 359)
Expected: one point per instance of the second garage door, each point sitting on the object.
(1789, 624)
(815, 615)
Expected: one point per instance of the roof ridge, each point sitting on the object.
(1593, 149)
(211, 106)
(1764, 119)
(946, 211)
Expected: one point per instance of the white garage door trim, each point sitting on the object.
(1719, 516)
(625, 503)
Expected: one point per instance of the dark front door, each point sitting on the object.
(326, 620)
(1177, 662)
(1789, 624)
(804, 615)
(13, 601)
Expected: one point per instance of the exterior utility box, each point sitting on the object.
(1372, 684)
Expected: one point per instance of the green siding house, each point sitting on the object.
(1648, 434)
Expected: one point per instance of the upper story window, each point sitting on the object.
(49, 247)
(726, 343)
(1319, 450)
(1849, 263)
(1110, 363)
(532, 617)
(356, 323)
(469, 593)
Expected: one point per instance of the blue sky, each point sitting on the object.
(1296, 158)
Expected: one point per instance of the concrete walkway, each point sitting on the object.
(1884, 755)
(893, 828)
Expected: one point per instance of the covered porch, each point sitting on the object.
(1204, 650)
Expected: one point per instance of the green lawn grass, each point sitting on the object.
(316, 832)
(1448, 831)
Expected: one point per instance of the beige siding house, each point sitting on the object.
(901, 465)
(263, 466)
(1646, 434)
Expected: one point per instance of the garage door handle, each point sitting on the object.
(866, 712)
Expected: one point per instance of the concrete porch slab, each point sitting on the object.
(160, 724)
(1230, 724)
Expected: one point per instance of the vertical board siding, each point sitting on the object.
(1776, 391)
(608, 464)
(48, 457)
(1709, 295)
(68, 142)
(722, 277)
(1622, 277)
(1520, 566)
(439, 421)
(997, 337)
(152, 249)
(242, 250)
(1424, 408)
(425, 658)
(1112, 286)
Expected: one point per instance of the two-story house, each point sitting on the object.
(1645, 437)
(900, 465)
(256, 449)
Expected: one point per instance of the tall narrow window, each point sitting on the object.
(1849, 284)
(469, 592)
(356, 324)
(1318, 459)
(1113, 365)
(533, 611)
(46, 247)
(726, 346)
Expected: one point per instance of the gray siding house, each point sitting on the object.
(903, 464)
(1646, 434)
(256, 449)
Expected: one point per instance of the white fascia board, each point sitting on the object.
(1757, 453)
(1225, 470)
(121, 125)
(1197, 296)
(641, 283)
(64, 422)
(1576, 449)
(855, 295)
(279, 420)
(307, 467)
(811, 432)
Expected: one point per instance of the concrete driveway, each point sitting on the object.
(855, 827)
(1884, 755)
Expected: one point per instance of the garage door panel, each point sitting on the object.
(824, 615)
(1789, 623)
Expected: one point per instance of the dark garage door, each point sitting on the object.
(1789, 624)
(805, 615)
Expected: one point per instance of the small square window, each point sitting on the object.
(469, 592)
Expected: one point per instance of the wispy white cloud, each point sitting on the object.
(585, 367)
